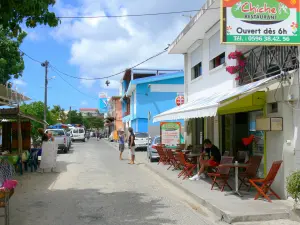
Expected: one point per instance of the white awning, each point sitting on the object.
(208, 106)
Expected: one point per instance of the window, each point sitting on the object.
(75, 131)
(217, 61)
(57, 132)
(197, 71)
(272, 107)
(141, 135)
(157, 140)
(81, 131)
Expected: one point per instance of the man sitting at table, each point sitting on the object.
(214, 159)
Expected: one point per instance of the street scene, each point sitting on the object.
(91, 186)
(149, 112)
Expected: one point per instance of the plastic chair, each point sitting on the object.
(263, 186)
(33, 159)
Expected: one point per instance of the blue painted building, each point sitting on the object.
(147, 92)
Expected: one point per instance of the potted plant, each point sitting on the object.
(293, 186)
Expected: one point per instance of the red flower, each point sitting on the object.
(294, 25)
(237, 78)
(241, 63)
(232, 69)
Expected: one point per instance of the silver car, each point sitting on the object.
(152, 152)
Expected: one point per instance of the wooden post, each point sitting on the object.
(20, 144)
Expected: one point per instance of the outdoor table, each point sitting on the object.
(195, 155)
(186, 151)
(236, 167)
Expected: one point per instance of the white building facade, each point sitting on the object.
(226, 110)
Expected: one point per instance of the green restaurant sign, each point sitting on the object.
(255, 22)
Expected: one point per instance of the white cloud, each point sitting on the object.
(83, 103)
(33, 36)
(19, 82)
(101, 47)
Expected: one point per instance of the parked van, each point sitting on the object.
(78, 134)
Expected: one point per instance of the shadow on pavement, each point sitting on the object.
(86, 206)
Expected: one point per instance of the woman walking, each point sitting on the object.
(131, 145)
(121, 142)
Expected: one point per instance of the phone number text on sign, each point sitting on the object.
(256, 38)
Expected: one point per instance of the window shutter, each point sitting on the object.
(215, 47)
(196, 56)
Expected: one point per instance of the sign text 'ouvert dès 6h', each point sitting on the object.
(253, 22)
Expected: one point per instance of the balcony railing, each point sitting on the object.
(267, 61)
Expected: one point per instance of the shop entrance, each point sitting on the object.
(234, 128)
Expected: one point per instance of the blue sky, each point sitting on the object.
(99, 47)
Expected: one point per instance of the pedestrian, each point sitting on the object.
(121, 142)
(214, 159)
(98, 135)
(131, 145)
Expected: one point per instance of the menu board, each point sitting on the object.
(170, 133)
(49, 155)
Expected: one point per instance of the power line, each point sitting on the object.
(134, 15)
(112, 75)
(33, 59)
(71, 84)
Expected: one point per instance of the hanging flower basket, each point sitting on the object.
(241, 63)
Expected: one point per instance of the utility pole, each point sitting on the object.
(45, 64)
(115, 114)
(70, 112)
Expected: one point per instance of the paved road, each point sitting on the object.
(92, 186)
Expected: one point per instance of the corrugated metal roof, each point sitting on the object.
(88, 109)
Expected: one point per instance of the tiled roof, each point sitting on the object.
(88, 109)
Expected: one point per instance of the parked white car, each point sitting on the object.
(60, 138)
(78, 134)
(141, 141)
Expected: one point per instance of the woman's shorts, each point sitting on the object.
(121, 147)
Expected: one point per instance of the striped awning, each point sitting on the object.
(208, 106)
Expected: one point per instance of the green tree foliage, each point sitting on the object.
(12, 14)
(59, 114)
(32, 12)
(93, 122)
(36, 109)
(74, 117)
(11, 60)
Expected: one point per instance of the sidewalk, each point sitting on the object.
(229, 208)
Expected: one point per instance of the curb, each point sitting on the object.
(223, 215)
